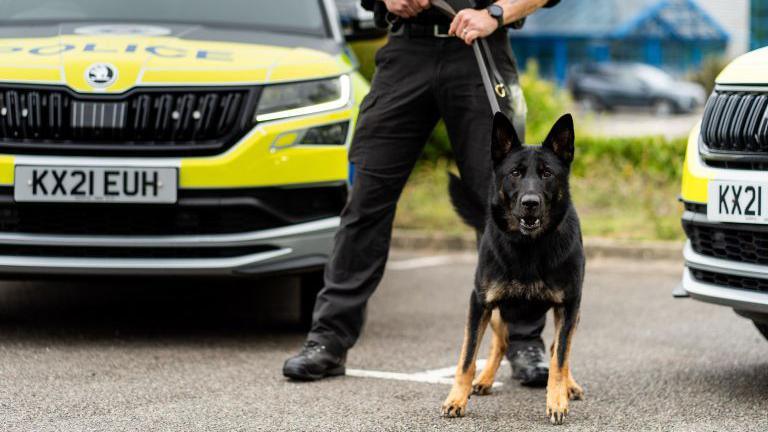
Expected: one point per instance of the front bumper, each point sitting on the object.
(720, 276)
(740, 299)
(207, 232)
(287, 249)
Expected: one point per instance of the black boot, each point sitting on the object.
(530, 365)
(314, 362)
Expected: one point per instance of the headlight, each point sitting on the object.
(302, 98)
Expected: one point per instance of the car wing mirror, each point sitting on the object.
(358, 23)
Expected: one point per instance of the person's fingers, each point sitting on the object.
(425, 4)
(465, 27)
(405, 10)
(459, 24)
(452, 28)
(400, 8)
(416, 5)
(471, 36)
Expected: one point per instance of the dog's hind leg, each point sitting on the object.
(484, 382)
(561, 386)
(455, 404)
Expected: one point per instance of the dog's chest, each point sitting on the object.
(496, 291)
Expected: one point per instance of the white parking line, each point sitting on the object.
(429, 261)
(396, 376)
(432, 376)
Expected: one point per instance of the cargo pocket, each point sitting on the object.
(365, 123)
(368, 102)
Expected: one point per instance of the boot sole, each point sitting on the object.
(302, 375)
(538, 379)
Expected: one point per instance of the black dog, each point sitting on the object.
(531, 259)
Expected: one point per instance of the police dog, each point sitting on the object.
(531, 259)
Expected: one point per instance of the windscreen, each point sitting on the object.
(299, 16)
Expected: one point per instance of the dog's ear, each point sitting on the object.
(561, 137)
(504, 138)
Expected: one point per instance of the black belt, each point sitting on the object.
(418, 30)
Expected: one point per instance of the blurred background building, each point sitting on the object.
(675, 35)
(758, 24)
(733, 16)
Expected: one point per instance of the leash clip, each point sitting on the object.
(501, 90)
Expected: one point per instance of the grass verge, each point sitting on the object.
(623, 189)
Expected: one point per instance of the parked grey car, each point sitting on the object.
(605, 86)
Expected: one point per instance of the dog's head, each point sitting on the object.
(531, 182)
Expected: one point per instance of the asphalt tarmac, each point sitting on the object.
(105, 355)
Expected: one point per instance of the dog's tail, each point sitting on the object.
(466, 203)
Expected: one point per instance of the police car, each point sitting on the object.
(172, 137)
(725, 192)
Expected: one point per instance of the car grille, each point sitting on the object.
(147, 122)
(198, 212)
(751, 165)
(728, 242)
(736, 122)
(730, 281)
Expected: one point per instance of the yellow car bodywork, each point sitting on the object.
(749, 69)
(167, 61)
(725, 253)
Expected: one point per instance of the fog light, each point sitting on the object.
(285, 140)
(332, 134)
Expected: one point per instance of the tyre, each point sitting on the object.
(763, 327)
(591, 103)
(311, 284)
(663, 107)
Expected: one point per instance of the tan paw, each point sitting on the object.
(575, 392)
(454, 407)
(557, 406)
(481, 388)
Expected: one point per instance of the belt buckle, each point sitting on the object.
(437, 34)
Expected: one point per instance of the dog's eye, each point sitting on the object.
(515, 173)
(546, 173)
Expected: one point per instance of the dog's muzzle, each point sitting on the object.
(530, 220)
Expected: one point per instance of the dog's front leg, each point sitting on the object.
(482, 385)
(561, 387)
(455, 404)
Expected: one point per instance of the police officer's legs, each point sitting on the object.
(395, 121)
(466, 110)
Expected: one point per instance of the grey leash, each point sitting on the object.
(480, 47)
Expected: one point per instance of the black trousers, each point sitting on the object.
(417, 82)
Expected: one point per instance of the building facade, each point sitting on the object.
(673, 34)
(758, 19)
(733, 16)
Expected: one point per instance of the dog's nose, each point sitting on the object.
(530, 201)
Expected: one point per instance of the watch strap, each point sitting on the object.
(499, 17)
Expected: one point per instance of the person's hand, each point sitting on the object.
(471, 24)
(406, 8)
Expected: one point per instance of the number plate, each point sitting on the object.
(95, 184)
(744, 202)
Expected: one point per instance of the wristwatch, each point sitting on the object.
(496, 12)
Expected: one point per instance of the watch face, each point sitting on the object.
(496, 11)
